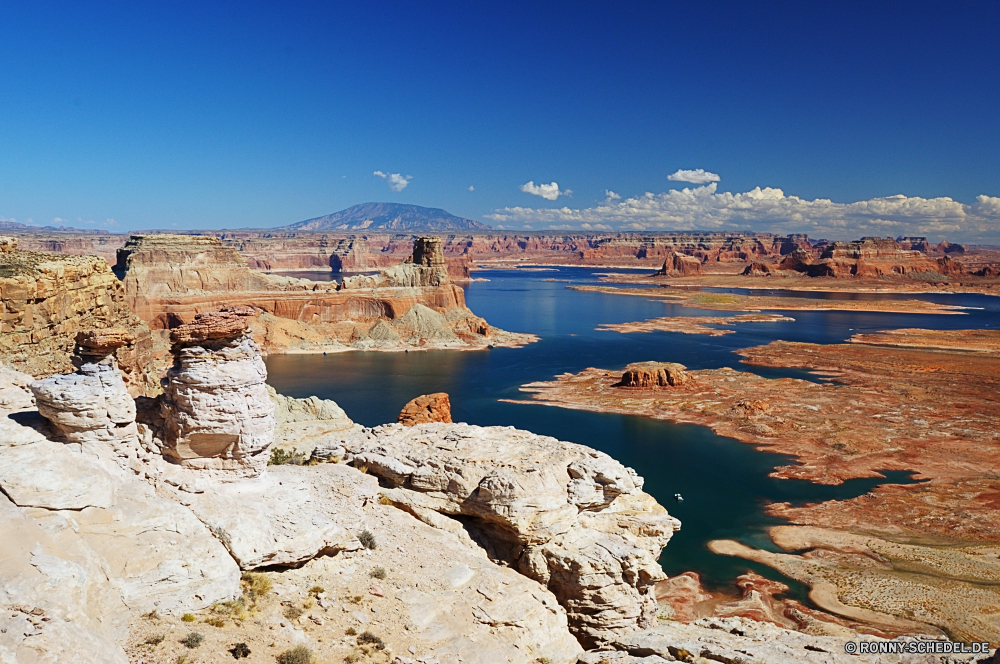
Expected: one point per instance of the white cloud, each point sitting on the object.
(396, 181)
(471, 188)
(769, 209)
(58, 220)
(697, 176)
(611, 196)
(110, 222)
(549, 192)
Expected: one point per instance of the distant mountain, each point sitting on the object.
(17, 226)
(389, 217)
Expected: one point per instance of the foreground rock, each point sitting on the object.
(743, 640)
(91, 405)
(427, 408)
(567, 516)
(216, 411)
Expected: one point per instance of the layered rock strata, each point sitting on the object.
(170, 279)
(47, 299)
(571, 518)
(216, 411)
(679, 265)
(865, 258)
(426, 408)
(647, 375)
(91, 405)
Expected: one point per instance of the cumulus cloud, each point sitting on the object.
(770, 209)
(396, 181)
(697, 176)
(471, 188)
(549, 192)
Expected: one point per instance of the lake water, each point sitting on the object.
(724, 482)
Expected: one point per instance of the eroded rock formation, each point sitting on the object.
(217, 414)
(91, 405)
(679, 265)
(169, 279)
(426, 408)
(571, 518)
(647, 375)
(47, 299)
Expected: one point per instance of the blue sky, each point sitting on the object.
(186, 116)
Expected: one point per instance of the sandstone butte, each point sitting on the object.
(900, 558)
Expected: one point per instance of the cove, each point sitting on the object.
(724, 482)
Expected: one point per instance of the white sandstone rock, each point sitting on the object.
(89, 406)
(55, 476)
(283, 517)
(565, 515)
(216, 409)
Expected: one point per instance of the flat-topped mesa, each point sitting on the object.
(91, 405)
(679, 265)
(217, 414)
(652, 375)
(870, 257)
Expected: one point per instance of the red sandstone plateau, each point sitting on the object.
(902, 557)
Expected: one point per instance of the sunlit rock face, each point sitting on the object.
(217, 414)
(91, 405)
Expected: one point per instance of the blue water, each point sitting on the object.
(725, 483)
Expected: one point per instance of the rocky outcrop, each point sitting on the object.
(90, 546)
(427, 408)
(47, 299)
(651, 375)
(743, 640)
(216, 411)
(91, 405)
(300, 423)
(571, 518)
(679, 265)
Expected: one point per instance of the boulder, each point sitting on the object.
(565, 515)
(651, 375)
(300, 423)
(427, 408)
(216, 411)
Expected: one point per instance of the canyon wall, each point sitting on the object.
(170, 279)
(47, 299)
